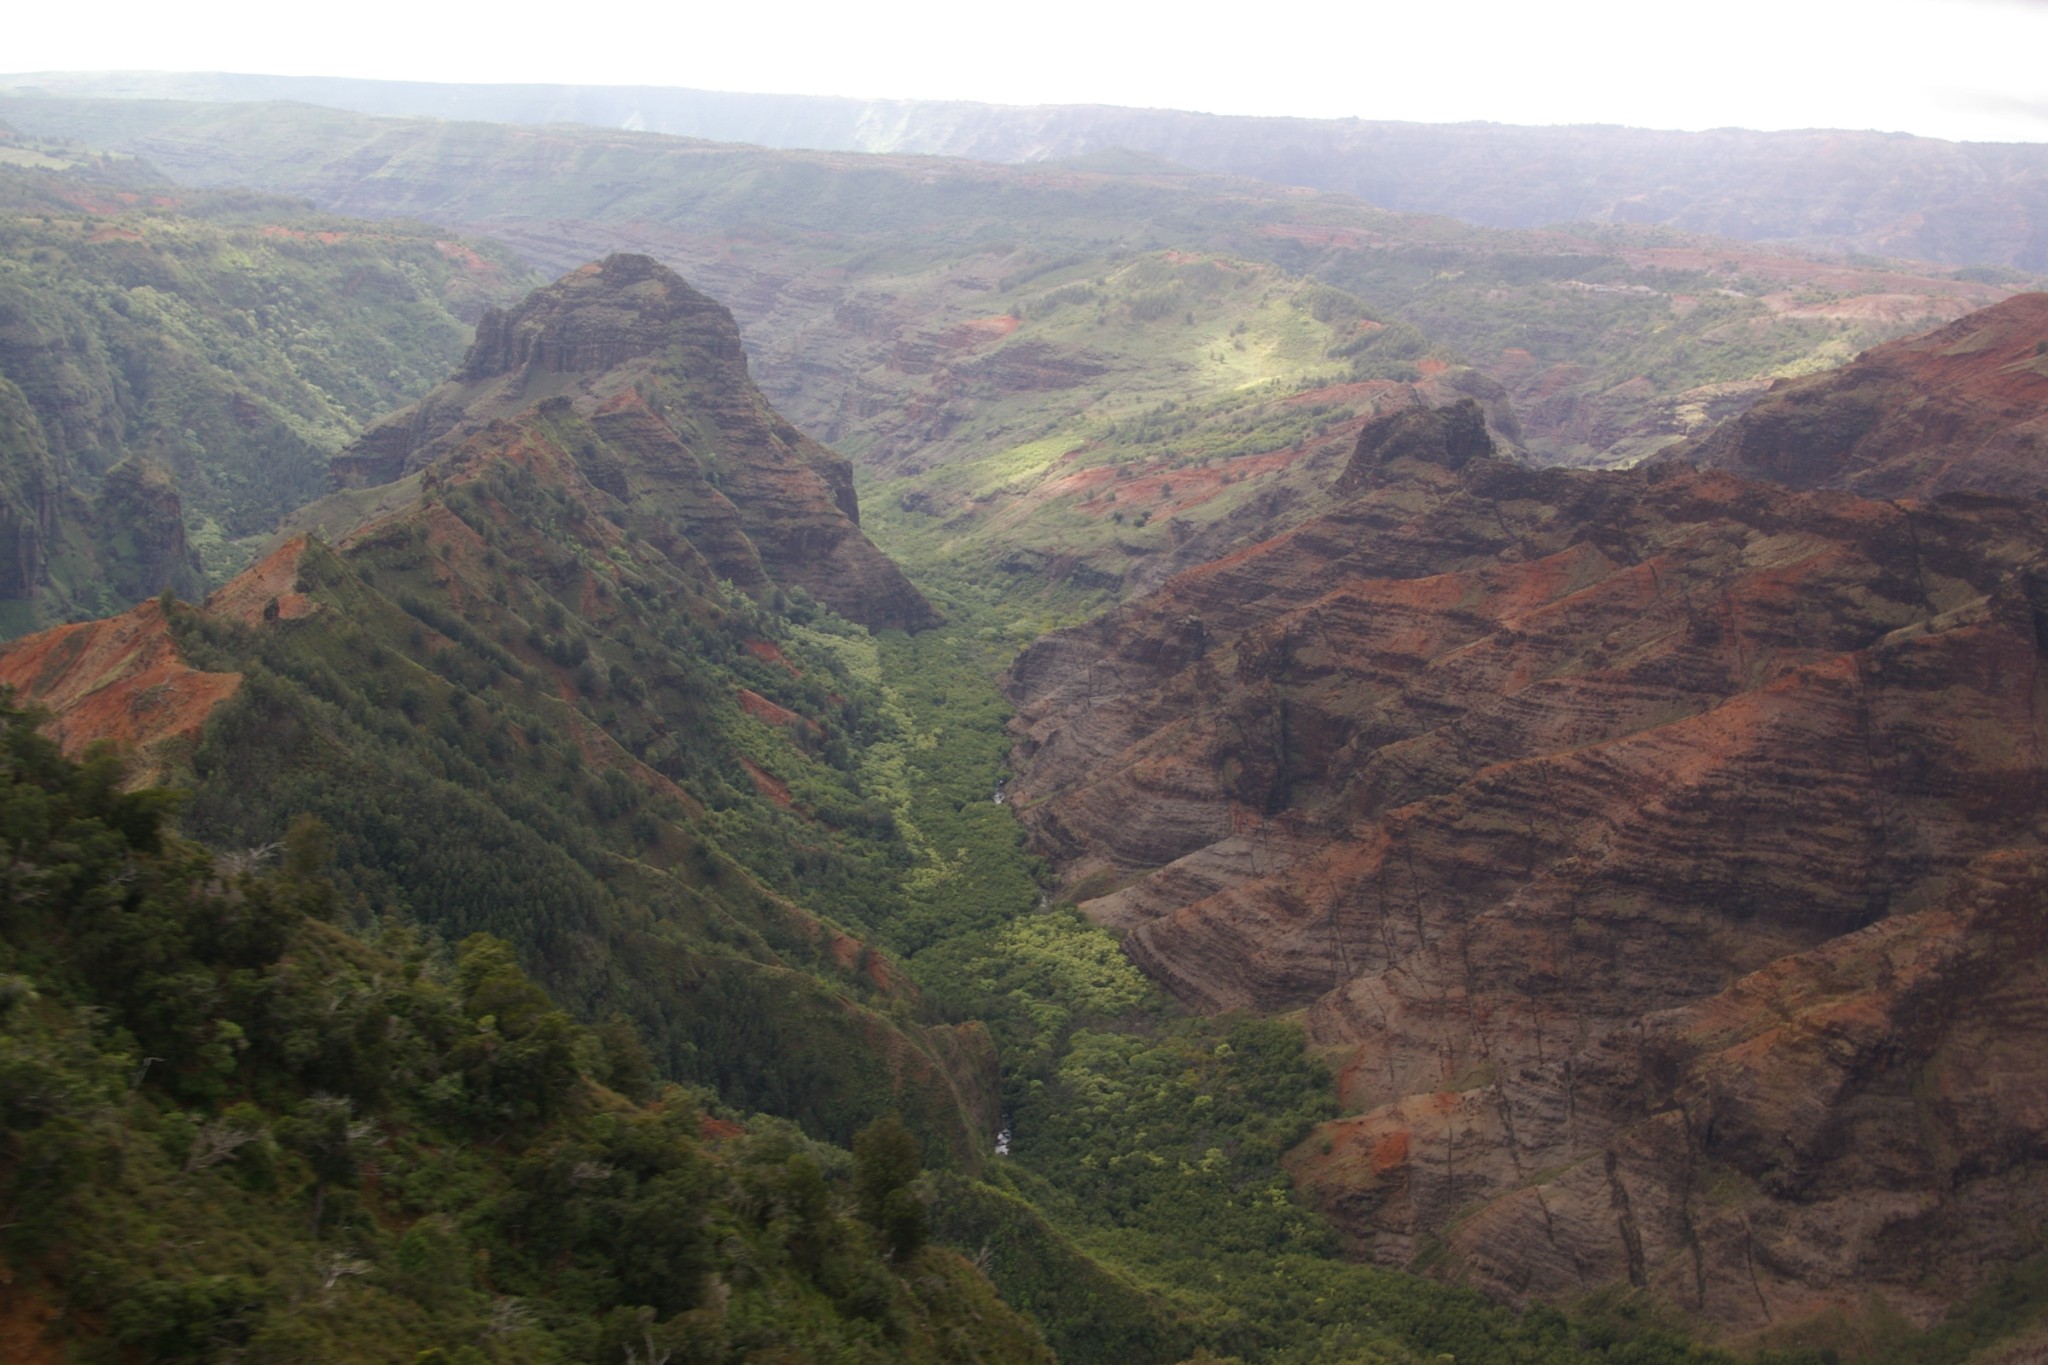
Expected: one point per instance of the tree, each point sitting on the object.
(331, 1140)
(885, 1161)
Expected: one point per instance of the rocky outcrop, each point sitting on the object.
(1449, 436)
(1964, 407)
(658, 371)
(1650, 843)
(139, 521)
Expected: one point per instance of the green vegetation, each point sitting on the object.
(1142, 1215)
(219, 347)
(527, 812)
(230, 1131)
(1130, 286)
(575, 784)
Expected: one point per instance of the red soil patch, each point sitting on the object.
(1163, 492)
(770, 786)
(1390, 1151)
(768, 652)
(845, 952)
(851, 955)
(979, 332)
(760, 708)
(248, 595)
(25, 1322)
(456, 251)
(119, 679)
(114, 234)
(719, 1130)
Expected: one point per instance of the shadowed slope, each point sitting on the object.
(1491, 769)
(1964, 407)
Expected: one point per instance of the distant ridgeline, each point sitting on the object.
(919, 311)
(177, 368)
(1962, 203)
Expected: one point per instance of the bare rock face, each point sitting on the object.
(1450, 436)
(1663, 850)
(1964, 407)
(658, 370)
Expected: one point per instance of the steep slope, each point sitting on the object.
(229, 1128)
(122, 679)
(1653, 846)
(658, 372)
(1964, 407)
(176, 368)
(525, 702)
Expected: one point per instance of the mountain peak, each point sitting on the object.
(595, 318)
(667, 423)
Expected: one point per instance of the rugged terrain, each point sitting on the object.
(177, 367)
(1654, 854)
(689, 444)
(524, 686)
(1656, 849)
(857, 279)
(509, 694)
(228, 1128)
(1962, 408)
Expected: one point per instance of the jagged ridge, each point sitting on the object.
(1492, 768)
(683, 434)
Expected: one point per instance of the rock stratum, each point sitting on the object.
(678, 432)
(1660, 852)
(1964, 407)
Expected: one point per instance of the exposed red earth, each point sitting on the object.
(659, 373)
(120, 680)
(1659, 852)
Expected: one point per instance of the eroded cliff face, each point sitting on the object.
(1658, 851)
(1964, 407)
(687, 439)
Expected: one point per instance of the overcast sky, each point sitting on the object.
(1968, 69)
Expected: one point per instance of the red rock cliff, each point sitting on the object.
(1963, 407)
(1657, 847)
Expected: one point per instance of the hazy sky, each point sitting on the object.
(1946, 68)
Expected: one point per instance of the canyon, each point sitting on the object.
(1653, 851)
